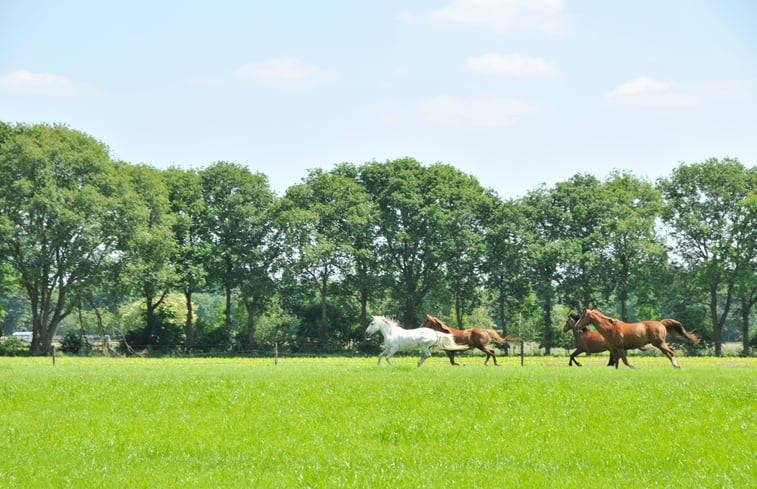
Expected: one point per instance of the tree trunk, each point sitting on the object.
(716, 329)
(251, 306)
(188, 325)
(745, 309)
(150, 318)
(623, 292)
(228, 294)
(459, 310)
(323, 327)
(363, 308)
(409, 314)
(548, 326)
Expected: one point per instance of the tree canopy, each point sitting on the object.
(82, 232)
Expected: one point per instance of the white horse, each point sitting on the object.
(400, 339)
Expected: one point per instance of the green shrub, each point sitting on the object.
(13, 347)
(75, 343)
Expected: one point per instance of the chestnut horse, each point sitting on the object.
(473, 338)
(622, 336)
(586, 341)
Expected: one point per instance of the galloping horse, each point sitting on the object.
(586, 341)
(397, 339)
(469, 338)
(622, 336)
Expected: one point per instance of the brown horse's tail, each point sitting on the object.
(672, 324)
(498, 339)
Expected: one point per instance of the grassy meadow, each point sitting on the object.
(345, 422)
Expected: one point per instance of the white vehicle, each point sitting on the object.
(25, 336)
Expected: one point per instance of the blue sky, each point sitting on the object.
(514, 92)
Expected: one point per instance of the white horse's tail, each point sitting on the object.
(447, 342)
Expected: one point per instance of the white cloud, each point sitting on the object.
(28, 83)
(511, 65)
(503, 15)
(482, 112)
(286, 71)
(647, 92)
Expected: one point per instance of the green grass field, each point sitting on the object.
(339, 422)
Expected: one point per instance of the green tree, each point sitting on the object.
(460, 207)
(163, 331)
(62, 210)
(545, 225)
(746, 281)
(704, 209)
(256, 263)
(633, 254)
(192, 251)
(505, 259)
(324, 219)
(363, 279)
(580, 211)
(415, 209)
(148, 268)
(238, 203)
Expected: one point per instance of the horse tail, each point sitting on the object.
(498, 339)
(446, 341)
(672, 324)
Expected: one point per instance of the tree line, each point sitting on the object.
(179, 258)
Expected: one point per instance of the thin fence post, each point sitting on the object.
(276, 353)
(52, 351)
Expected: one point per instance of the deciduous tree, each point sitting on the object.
(63, 208)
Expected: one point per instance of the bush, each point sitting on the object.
(160, 334)
(13, 347)
(75, 343)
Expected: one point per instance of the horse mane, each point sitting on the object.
(441, 324)
(389, 321)
(613, 321)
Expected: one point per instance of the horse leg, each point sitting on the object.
(489, 353)
(424, 355)
(382, 354)
(573, 357)
(669, 352)
(613, 360)
(622, 355)
(451, 355)
(389, 353)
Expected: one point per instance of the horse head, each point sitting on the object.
(583, 320)
(435, 324)
(372, 328)
(571, 322)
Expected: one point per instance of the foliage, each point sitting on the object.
(163, 331)
(80, 232)
(707, 209)
(13, 347)
(63, 209)
(75, 342)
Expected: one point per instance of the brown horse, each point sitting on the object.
(622, 336)
(586, 341)
(473, 338)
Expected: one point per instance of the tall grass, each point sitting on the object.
(340, 422)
